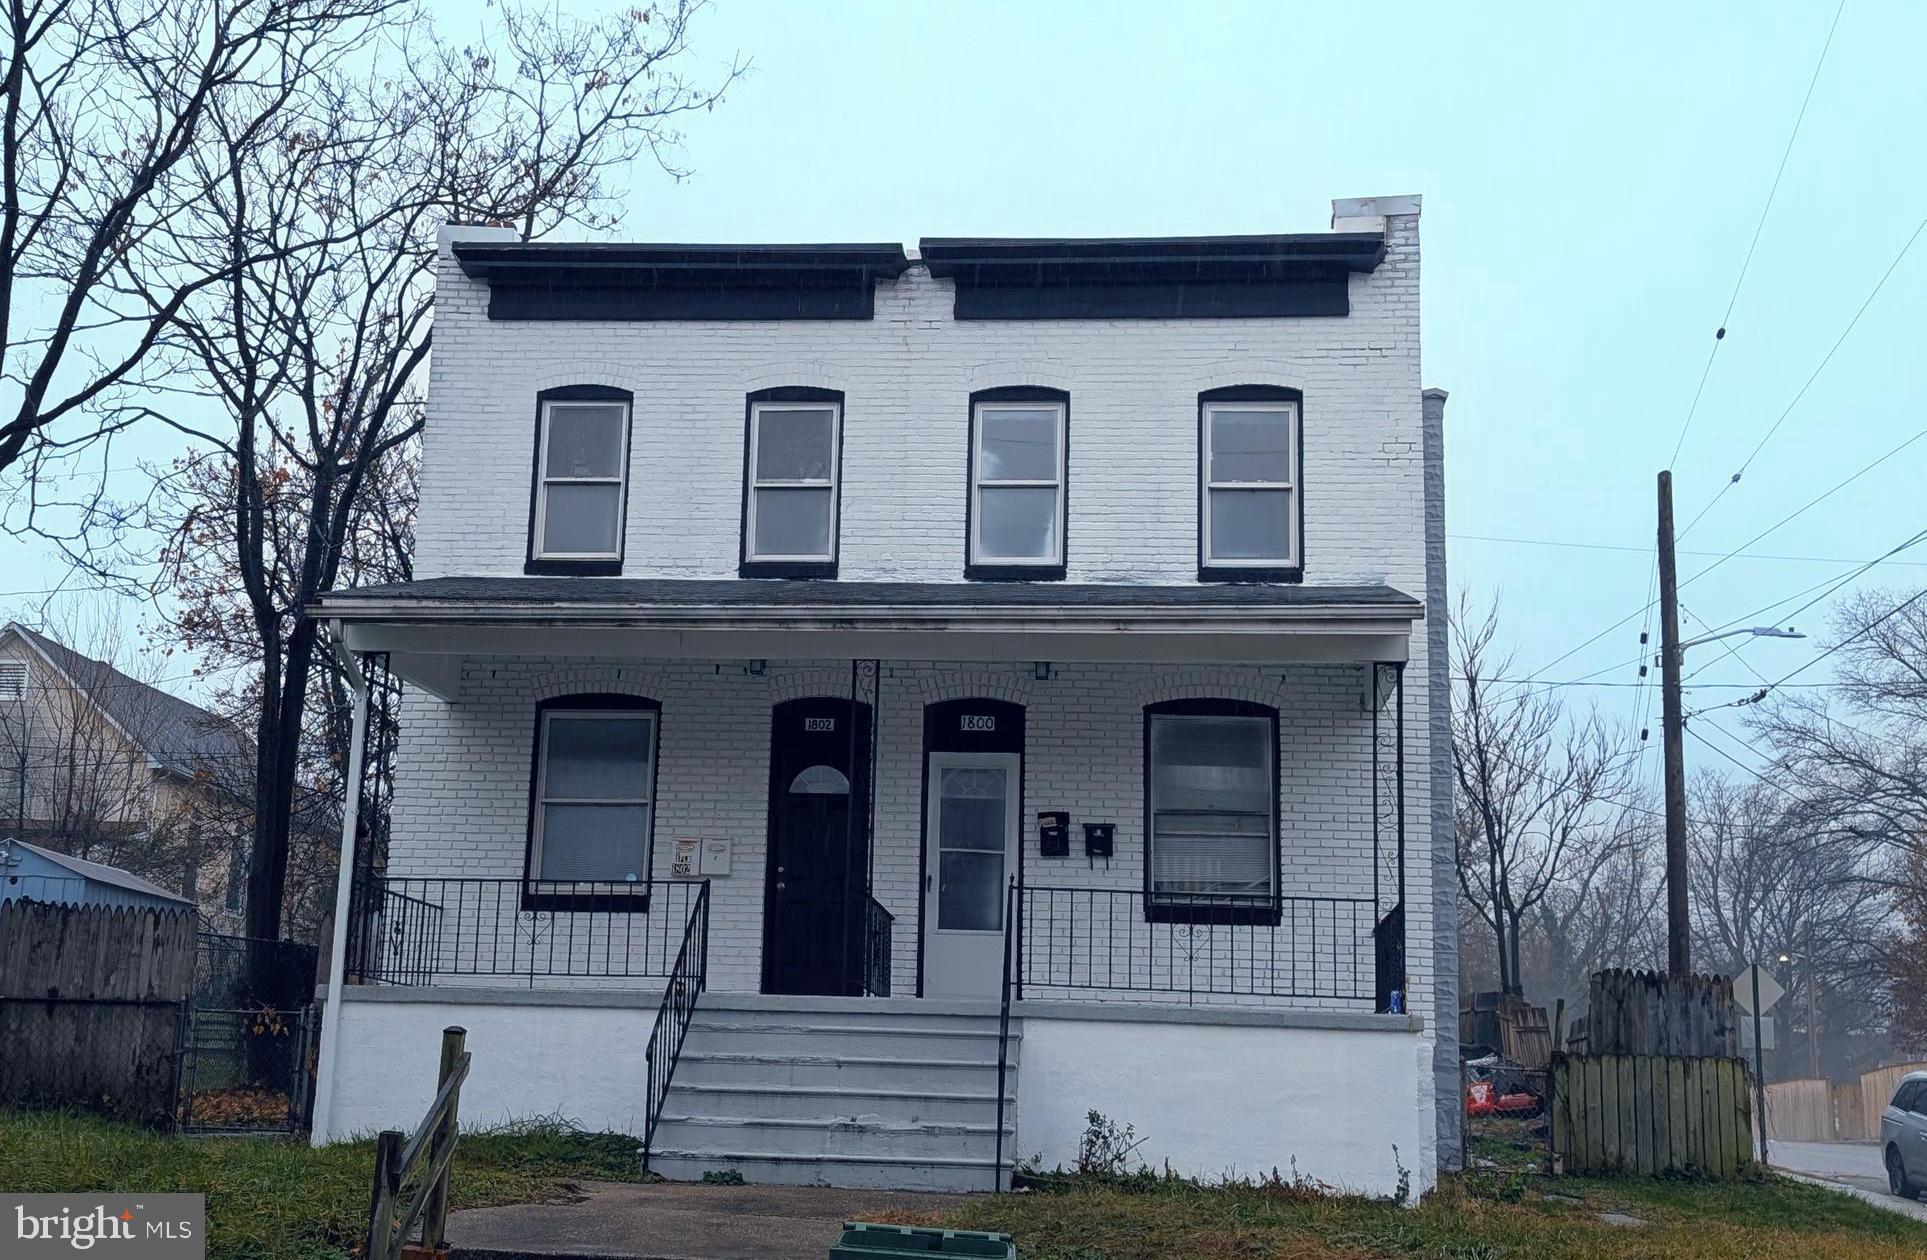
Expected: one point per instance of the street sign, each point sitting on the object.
(1770, 990)
(1769, 1035)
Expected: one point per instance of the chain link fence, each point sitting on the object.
(1507, 1120)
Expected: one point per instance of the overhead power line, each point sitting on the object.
(1758, 228)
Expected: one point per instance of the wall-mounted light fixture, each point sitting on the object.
(1041, 671)
(755, 668)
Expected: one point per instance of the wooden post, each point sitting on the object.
(435, 1215)
(1673, 724)
(381, 1200)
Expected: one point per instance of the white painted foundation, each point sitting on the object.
(581, 1062)
(1218, 1100)
(1326, 1095)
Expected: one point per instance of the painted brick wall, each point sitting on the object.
(907, 375)
(461, 804)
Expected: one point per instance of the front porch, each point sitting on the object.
(1145, 826)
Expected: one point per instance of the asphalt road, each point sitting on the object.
(1855, 1166)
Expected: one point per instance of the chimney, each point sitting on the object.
(448, 233)
(1368, 214)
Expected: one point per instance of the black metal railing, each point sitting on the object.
(686, 983)
(1210, 946)
(431, 930)
(878, 924)
(1003, 1032)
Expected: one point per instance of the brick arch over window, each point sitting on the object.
(1247, 685)
(621, 680)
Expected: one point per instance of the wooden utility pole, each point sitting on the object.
(1678, 933)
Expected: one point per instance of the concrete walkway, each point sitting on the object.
(1854, 1167)
(677, 1221)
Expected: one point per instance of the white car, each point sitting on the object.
(1903, 1137)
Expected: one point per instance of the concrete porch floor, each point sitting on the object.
(676, 1221)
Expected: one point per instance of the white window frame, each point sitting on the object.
(1269, 730)
(543, 481)
(1206, 484)
(979, 483)
(647, 781)
(833, 482)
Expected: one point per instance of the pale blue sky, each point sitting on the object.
(1592, 175)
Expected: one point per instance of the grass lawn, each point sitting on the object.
(285, 1199)
(281, 1199)
(1486, 1215)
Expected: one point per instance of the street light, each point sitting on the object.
(1763, 632)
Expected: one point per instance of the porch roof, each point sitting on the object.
(807, 620)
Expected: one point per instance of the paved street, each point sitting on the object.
(1855, 1165)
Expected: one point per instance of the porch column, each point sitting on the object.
(324, 1090)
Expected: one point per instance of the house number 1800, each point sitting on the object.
(978, 721)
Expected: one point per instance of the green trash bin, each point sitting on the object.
(864, 1241)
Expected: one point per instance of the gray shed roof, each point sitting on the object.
(101, 873)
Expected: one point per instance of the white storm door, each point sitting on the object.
(970, 853)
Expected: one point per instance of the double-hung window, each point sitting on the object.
(1019, 439)
(790, 499)
(594, 799)
(582, 461)
(1211, 811)
(1249, 506)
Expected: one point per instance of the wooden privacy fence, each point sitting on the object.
(91, 1002)
(1813, 1110)
(1648, 1114)
(1652, 1013)
(420, 1164)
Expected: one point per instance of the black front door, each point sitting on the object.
(819, 847)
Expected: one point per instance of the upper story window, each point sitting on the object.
(791, 473)
(594, 799)
(1019, 445)
(1250, 508)
(1211, 811)
(581, 480)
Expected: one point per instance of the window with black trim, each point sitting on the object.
(1250, 508)
(581, 480)
(1211, 811)
(1019, 461)
(592, 802)
(792, 462)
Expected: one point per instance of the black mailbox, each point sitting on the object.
(1054, 833)
(1097, 839)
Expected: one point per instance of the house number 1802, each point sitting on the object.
(978, 721)
(819, 724)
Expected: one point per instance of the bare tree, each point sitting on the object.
(1770, 881)
(105, 112)
(312, 351)
(1540, 798)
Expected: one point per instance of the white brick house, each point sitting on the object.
(963, 689)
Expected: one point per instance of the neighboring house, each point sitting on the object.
(111, 769)
(29, 871)
(867, 637)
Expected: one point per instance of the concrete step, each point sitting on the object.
(841, 1040)
(870, 1137)
(852, 1171)
(839, 1102)
(775, 1071)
